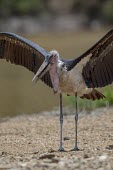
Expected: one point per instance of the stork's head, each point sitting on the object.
(49, 64)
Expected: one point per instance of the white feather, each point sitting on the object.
(72, 81)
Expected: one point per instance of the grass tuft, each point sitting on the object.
(85, 104)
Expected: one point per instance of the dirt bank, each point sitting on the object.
(31, 142)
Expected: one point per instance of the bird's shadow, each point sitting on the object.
(67, 151)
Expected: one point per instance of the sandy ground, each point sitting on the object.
(32, 142)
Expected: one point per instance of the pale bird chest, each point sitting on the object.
(72, 81)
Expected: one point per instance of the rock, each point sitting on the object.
(46, 155)
(61, 164)
(47, 160)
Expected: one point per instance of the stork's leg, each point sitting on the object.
(61, 124)
(76, 123)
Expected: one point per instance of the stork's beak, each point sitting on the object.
(42, 70)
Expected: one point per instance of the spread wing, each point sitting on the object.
(20, 51)
(98, 68)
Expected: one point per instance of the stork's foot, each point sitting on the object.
(75, 149)
(61, 149)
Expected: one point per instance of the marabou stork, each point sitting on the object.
(78, 77)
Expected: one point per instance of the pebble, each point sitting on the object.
(103, 157)
(66, 138)
(110, 147)
(51, 150)
(86, 156)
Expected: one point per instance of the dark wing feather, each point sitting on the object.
(21, 51)
(98, 70)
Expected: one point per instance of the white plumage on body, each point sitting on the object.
(72, 81)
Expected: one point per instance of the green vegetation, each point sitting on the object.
(90, 105)
(20, 8)
(101, 10)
